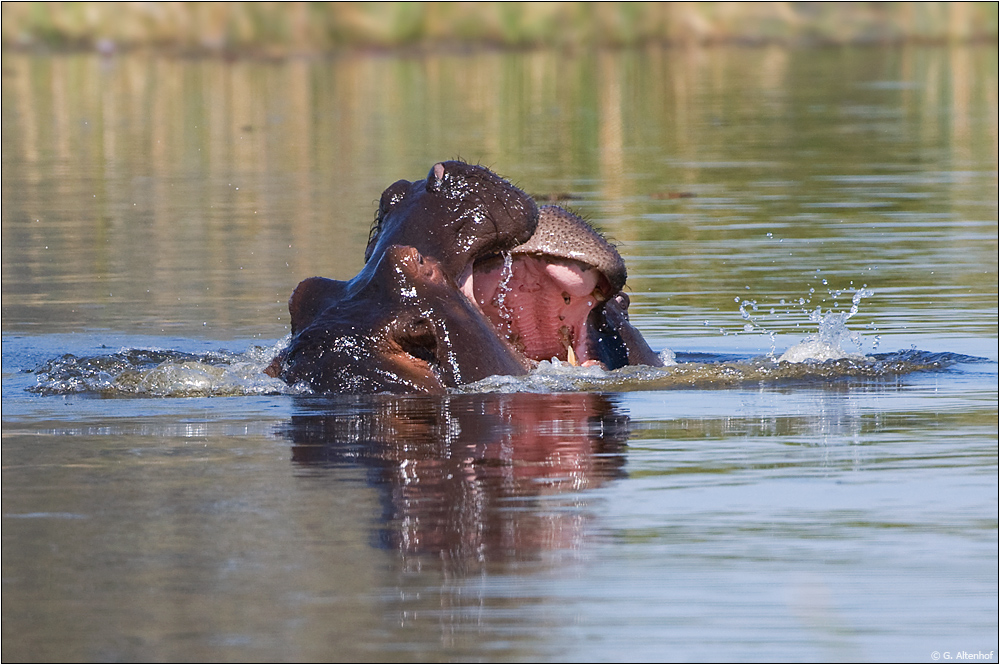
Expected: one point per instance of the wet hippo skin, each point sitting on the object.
(400, 325)
(465, 277)
(458, 214)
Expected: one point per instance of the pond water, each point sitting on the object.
(163, 500)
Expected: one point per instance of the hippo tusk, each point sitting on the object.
(571, 356)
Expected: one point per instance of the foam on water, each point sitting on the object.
(163, 373)
(556, 376)
(831, 354)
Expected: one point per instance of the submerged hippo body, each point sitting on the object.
(464, 278)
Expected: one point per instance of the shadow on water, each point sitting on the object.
(462, 479)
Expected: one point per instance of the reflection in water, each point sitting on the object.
(154, 194)
(461, 478)
(500, 527)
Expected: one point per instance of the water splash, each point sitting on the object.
(830, 355)
(720, 372)
(503, 290)
(748, 310)
(163, 373)
(667, 357)
(834, 340)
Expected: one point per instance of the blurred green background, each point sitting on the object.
(280, 28)
(156, 192)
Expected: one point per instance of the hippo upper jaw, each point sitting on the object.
(459, 213)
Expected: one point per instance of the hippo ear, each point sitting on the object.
(311, 297)
(392, 195)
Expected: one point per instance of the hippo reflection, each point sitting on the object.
(465, 277)
(460, 478)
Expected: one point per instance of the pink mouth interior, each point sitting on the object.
(540, 303)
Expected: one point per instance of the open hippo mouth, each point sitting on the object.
(547, 295)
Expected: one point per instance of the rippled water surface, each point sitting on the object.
(165, 500)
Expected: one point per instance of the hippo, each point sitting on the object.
(465, 277)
